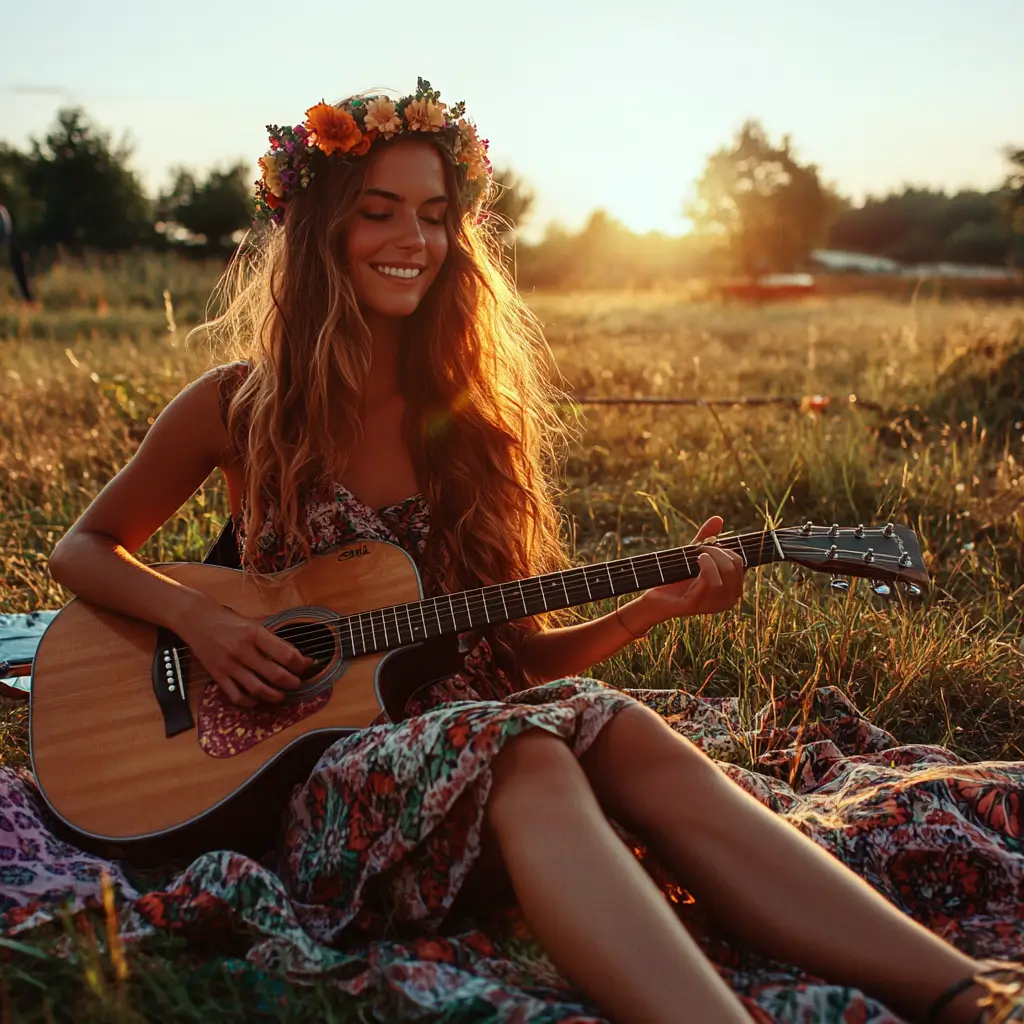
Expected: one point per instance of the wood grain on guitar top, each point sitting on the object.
(98, 741)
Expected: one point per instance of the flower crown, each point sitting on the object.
(349, 130)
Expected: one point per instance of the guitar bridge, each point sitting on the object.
(170, 683)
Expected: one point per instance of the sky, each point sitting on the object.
(597, 105)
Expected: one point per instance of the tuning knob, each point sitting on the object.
(911, 588)
(840, 584)
(881, 588)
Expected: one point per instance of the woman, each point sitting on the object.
(393, 375)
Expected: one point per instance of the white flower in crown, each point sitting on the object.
(382, 116)
(272, 174)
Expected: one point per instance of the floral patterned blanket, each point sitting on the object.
(942, 839)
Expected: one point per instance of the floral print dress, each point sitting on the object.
(378, 843)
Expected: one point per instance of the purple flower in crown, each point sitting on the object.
(289, 177)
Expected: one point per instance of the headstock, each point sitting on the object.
(890, 553)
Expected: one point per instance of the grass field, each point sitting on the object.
(934, 441)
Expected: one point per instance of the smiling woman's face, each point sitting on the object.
(398, 238)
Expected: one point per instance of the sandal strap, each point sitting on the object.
(1003, 1002)
(945, 998)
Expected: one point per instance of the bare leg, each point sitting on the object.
(761, 878)
(596, 912)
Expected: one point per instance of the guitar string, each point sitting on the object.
(533, 587)
(330, 646)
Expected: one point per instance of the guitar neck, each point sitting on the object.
(384, 629)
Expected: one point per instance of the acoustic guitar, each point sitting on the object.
(134, 745)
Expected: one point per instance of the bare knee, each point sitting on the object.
(534, 773)
(638, 763)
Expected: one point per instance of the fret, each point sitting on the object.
(483, 600)
(611, 582)
(686, 562)
(352, 635)
(398, 629)
(522, 594)
(451, 608)
(561, 577)
(657, 560)
(586, 583)
(408, 618)
(501, 594)
(383, 626)
(362, 633)
(544, 600)
(437, 613)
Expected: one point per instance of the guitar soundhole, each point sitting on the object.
(318, 641)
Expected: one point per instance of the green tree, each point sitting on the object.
(919, 225)
(89, 195)
(214, 209)
(514, 202)
(768, 208)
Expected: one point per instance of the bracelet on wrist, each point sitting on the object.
(622, 623)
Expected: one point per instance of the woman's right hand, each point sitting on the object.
(246, 660)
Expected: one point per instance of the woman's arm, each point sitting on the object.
(570, 650)
(95, 561)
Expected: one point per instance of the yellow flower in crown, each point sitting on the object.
(331, 129)
(471, 151)
(424, 116)
(382, 115)
(272, 175)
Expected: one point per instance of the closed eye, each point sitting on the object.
(387, 216)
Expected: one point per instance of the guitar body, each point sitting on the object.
(98, 736)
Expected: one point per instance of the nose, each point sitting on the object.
(411, 232)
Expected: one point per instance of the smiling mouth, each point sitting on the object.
(397, 273)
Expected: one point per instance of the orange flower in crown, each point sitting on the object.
(332, 129)
(351, 129)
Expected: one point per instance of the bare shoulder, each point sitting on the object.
(196, 415)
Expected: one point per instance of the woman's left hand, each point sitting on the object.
(718, 586)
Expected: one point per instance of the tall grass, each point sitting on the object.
(932, 439)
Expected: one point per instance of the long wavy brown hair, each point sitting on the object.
(481, 422)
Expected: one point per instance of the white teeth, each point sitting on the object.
(407, 272)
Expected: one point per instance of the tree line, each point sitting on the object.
(756, 209)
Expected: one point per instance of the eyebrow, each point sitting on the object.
(394, 197)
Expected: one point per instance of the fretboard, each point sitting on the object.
(399, 625)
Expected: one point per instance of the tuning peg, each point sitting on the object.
(881, 588)
(840, 584)
(912, 589)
